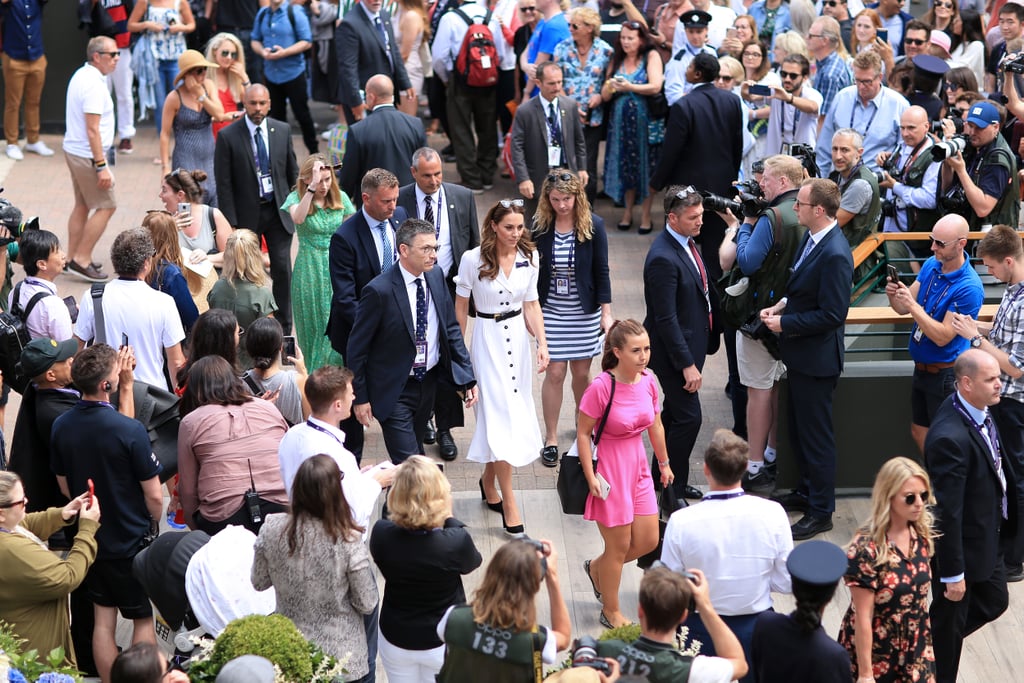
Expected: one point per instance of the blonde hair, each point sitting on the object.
(888, 482)
(234, 82)
(164, 232)
(732, 65)
(588, 17)
(333, 198)
(242, 258)
(582, 218)
(420, 497)
(794, 44)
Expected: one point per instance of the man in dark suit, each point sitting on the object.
(452, 211)
(387, 139)
(255, 168)
(369, 49)
(405, 336)
(362, 248)
(679, 316)
(963, 457)
(810, 322)
(707, 125)
(547, 133)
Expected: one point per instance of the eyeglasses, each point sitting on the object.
(789, 76)
(866, 81)
(564, 177)
(943, 245)
(528, 9)
(428, 249)
(509, 203)
(911, 497)
(753, 54)
(228, 54)
(797, 204)
(914, 41)
(23, 501)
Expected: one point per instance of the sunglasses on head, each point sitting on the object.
(681, 195)
(564, 177)
(228, 54)
(509, 203)
(635, 25)
(911, 497)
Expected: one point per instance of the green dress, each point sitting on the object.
(311, 281)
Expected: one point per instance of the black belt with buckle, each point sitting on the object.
(498, 317)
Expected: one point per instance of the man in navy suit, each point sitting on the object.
(405, 336)
(452, 210)
(362, 248)
(963, 454)
(679, 316)
(810, 322)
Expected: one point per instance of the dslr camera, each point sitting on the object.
(714, 202)
(949, 148)
(805, 155)
(584, 653)
(1013, 62)
(937, 131)
(12, 219)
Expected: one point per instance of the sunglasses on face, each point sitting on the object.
(527, 9)
(17, 503)
(832, 3)
(947, 5)
(914, 41)
(941, 244)
(789, 76)
(112, 55)
(198, 71)
(509, 203)
(911, 497)
(228, 54)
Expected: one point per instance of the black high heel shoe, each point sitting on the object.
(493, 507)
(517, 531)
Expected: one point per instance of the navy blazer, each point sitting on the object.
(386, 138)
(591, 267)
(353, 263)
(969, 511)
(463, 226)
(781, 653)
(818, 299)
(677, 312)
(382, 346)
(362, 55)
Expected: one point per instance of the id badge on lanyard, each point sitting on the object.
(266, 184)
(421, 355)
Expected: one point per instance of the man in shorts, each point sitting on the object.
(89, 118)
(93, 442)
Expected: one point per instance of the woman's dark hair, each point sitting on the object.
(36, 245)
(616, 339)
(316, 494)
(963, 78)
(619, 55)
(810, 599)
(970, 31)
(212, 335)
(766, 59)
(489, 238)
(212, 381)
(263, 341)
(188, 182)
(138, 664)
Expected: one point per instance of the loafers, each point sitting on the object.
(792, 501)
(692, 492)
(549, 456)
(449, 451)
(809, 526)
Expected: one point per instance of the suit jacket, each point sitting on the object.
(463, 226)
(590, 267)
(707, 124)
(968, 493)
(780, 653)
(818, 294)
(387, 139)
(382, 346)
(353, 262)
(234, 167)
(364, 55)
(530, 139)
(677, 312)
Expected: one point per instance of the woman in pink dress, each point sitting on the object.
(628, 516)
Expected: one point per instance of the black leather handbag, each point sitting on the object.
(572, 484)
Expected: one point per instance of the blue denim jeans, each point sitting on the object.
(167, 69)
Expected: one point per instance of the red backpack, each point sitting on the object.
(476, 65)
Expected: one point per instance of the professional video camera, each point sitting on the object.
(12, 219)
(949, 148)
(1013, 62)
(584, 653)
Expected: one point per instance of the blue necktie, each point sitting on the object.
(556, 127)
(807, 250)
(384, 36)
(421, 326)
(387, 256)
(262, 160)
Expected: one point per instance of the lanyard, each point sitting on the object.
(853, 111)
(722, 496)
(796, 120)
(913, 155)
(437, 211)
(938, 300)
(987, 436)
(571, 261)
(312, 425)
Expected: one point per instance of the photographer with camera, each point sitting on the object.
(793, 119)
(666, 600)
(979, 174)
(763, 248)
(910, 177)
(860, 206)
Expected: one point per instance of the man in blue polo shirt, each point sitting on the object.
(280, 35)
(946, 285)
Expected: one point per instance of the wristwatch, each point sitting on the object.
(976, 341)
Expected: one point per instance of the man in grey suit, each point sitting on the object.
(547, 133)
(255, 167)
(452, 211)
(386, 139)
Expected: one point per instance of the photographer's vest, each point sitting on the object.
(647, 660)
(1007, 208)
(920, 220)
(863, 224)
(769, 282)
(490, 654)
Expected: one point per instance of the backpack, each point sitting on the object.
(476, 65)
(14, 336)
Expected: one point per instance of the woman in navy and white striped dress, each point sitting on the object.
(575, 292)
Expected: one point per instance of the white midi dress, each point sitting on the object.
(506, 419)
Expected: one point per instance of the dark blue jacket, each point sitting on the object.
(591, 267)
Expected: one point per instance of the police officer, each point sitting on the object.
(696, 25)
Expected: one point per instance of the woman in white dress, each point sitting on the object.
(501, 276)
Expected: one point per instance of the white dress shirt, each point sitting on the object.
(442, 229)
(433, 352)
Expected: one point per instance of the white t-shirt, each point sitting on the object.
(87, 94)
(787, 124)
(548, 654)
(148, 317)
(710, 670)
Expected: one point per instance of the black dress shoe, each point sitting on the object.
(549, 456)
(430, 435)
(1014, 574)
(809, 526)
(692, 492)
(449, 451)
(792, 501)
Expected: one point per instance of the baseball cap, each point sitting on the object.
(39, 355)
(983, 114)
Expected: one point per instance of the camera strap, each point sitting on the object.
(913, 155)
(538, 664)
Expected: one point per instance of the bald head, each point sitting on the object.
(914, 126)
(381, 89)
(951, 227)
(257, 103)
(977, 378)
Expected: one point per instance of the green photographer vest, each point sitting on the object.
(478, 652)
(1007, 208)
(920, 220)
(769, 282)
(863, 224)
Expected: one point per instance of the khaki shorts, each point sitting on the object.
(83, 181)
(758, 370)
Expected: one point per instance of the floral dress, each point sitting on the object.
(901, 631)
(583, 82)
(630, 156)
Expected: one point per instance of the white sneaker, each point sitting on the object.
(39, 147)
(14, 152)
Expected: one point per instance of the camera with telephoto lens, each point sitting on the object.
(12, 219)
(1013, 62)
(955, 200)
(584, 653)
(949, 148)
(749, 187)
(714, 202)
